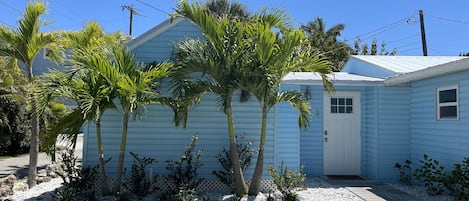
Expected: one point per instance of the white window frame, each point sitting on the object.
(439, 105)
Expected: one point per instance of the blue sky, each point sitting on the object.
(446, 22)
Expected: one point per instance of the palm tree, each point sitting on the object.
(327, 42)
(232, 9)
(23, 44)
(83, 83)
(137, 86)
(272, 58)
(219, 59)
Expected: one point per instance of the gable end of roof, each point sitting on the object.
(155, 31)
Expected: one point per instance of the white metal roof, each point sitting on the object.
(407, 64)
(434, 71)
(338, 78)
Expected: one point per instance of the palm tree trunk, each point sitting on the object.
(104, 184)
(240, 184)
(33, 148)
(120, 165)
(254, 188)
(34, 144)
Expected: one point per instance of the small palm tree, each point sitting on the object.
(23, 44)
(137, 86)
(83, 83)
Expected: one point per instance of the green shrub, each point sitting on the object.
(458, 182)
(183, 172)
(245, 152)
(405, 172)
(432, 174)
(287, 180)
(138, 183)
(77, 181)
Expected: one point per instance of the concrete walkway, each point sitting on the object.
(372, 191)
(19, 165)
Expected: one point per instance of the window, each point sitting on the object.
(341, 105)
(447, 102)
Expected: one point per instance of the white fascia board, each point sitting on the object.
(335, 83)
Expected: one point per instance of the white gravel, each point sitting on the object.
(43, 191)
(316, 190)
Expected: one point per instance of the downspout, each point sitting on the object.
(376, 132)
(275, 136)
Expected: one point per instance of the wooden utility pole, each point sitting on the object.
(132, 11)
(422, 30)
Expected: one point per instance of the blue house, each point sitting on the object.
(385, 109)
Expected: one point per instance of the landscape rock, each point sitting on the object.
(6, 185)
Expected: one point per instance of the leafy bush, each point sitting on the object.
(245, 152)
(183, 195)
(138, 183)
(15, 129)
(183, 172)
(405, 172)
(287, 180)
(432, 174)
(77, 181)
(458, 181)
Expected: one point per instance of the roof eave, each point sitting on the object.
(335, 82)
(443, 69)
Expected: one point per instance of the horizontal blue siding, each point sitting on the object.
(394, 131)
(288, 138)
(162, 46)
(154, 135)
(443, 140)
(371, 133)
(311, 143)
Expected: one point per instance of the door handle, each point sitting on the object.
(325, 132)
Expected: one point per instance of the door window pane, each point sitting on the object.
(342, 105)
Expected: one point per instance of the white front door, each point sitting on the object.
(341, 135)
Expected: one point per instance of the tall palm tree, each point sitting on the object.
(137, 86)
(273, 57)
(218, 59)
(23, 44)
(327, 43)
(231, 9)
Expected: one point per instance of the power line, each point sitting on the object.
(9, 6)
(155, 8)
(385, 28)
(448, 19)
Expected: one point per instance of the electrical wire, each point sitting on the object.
(155, 8)
(9, 6)
(448, 19)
